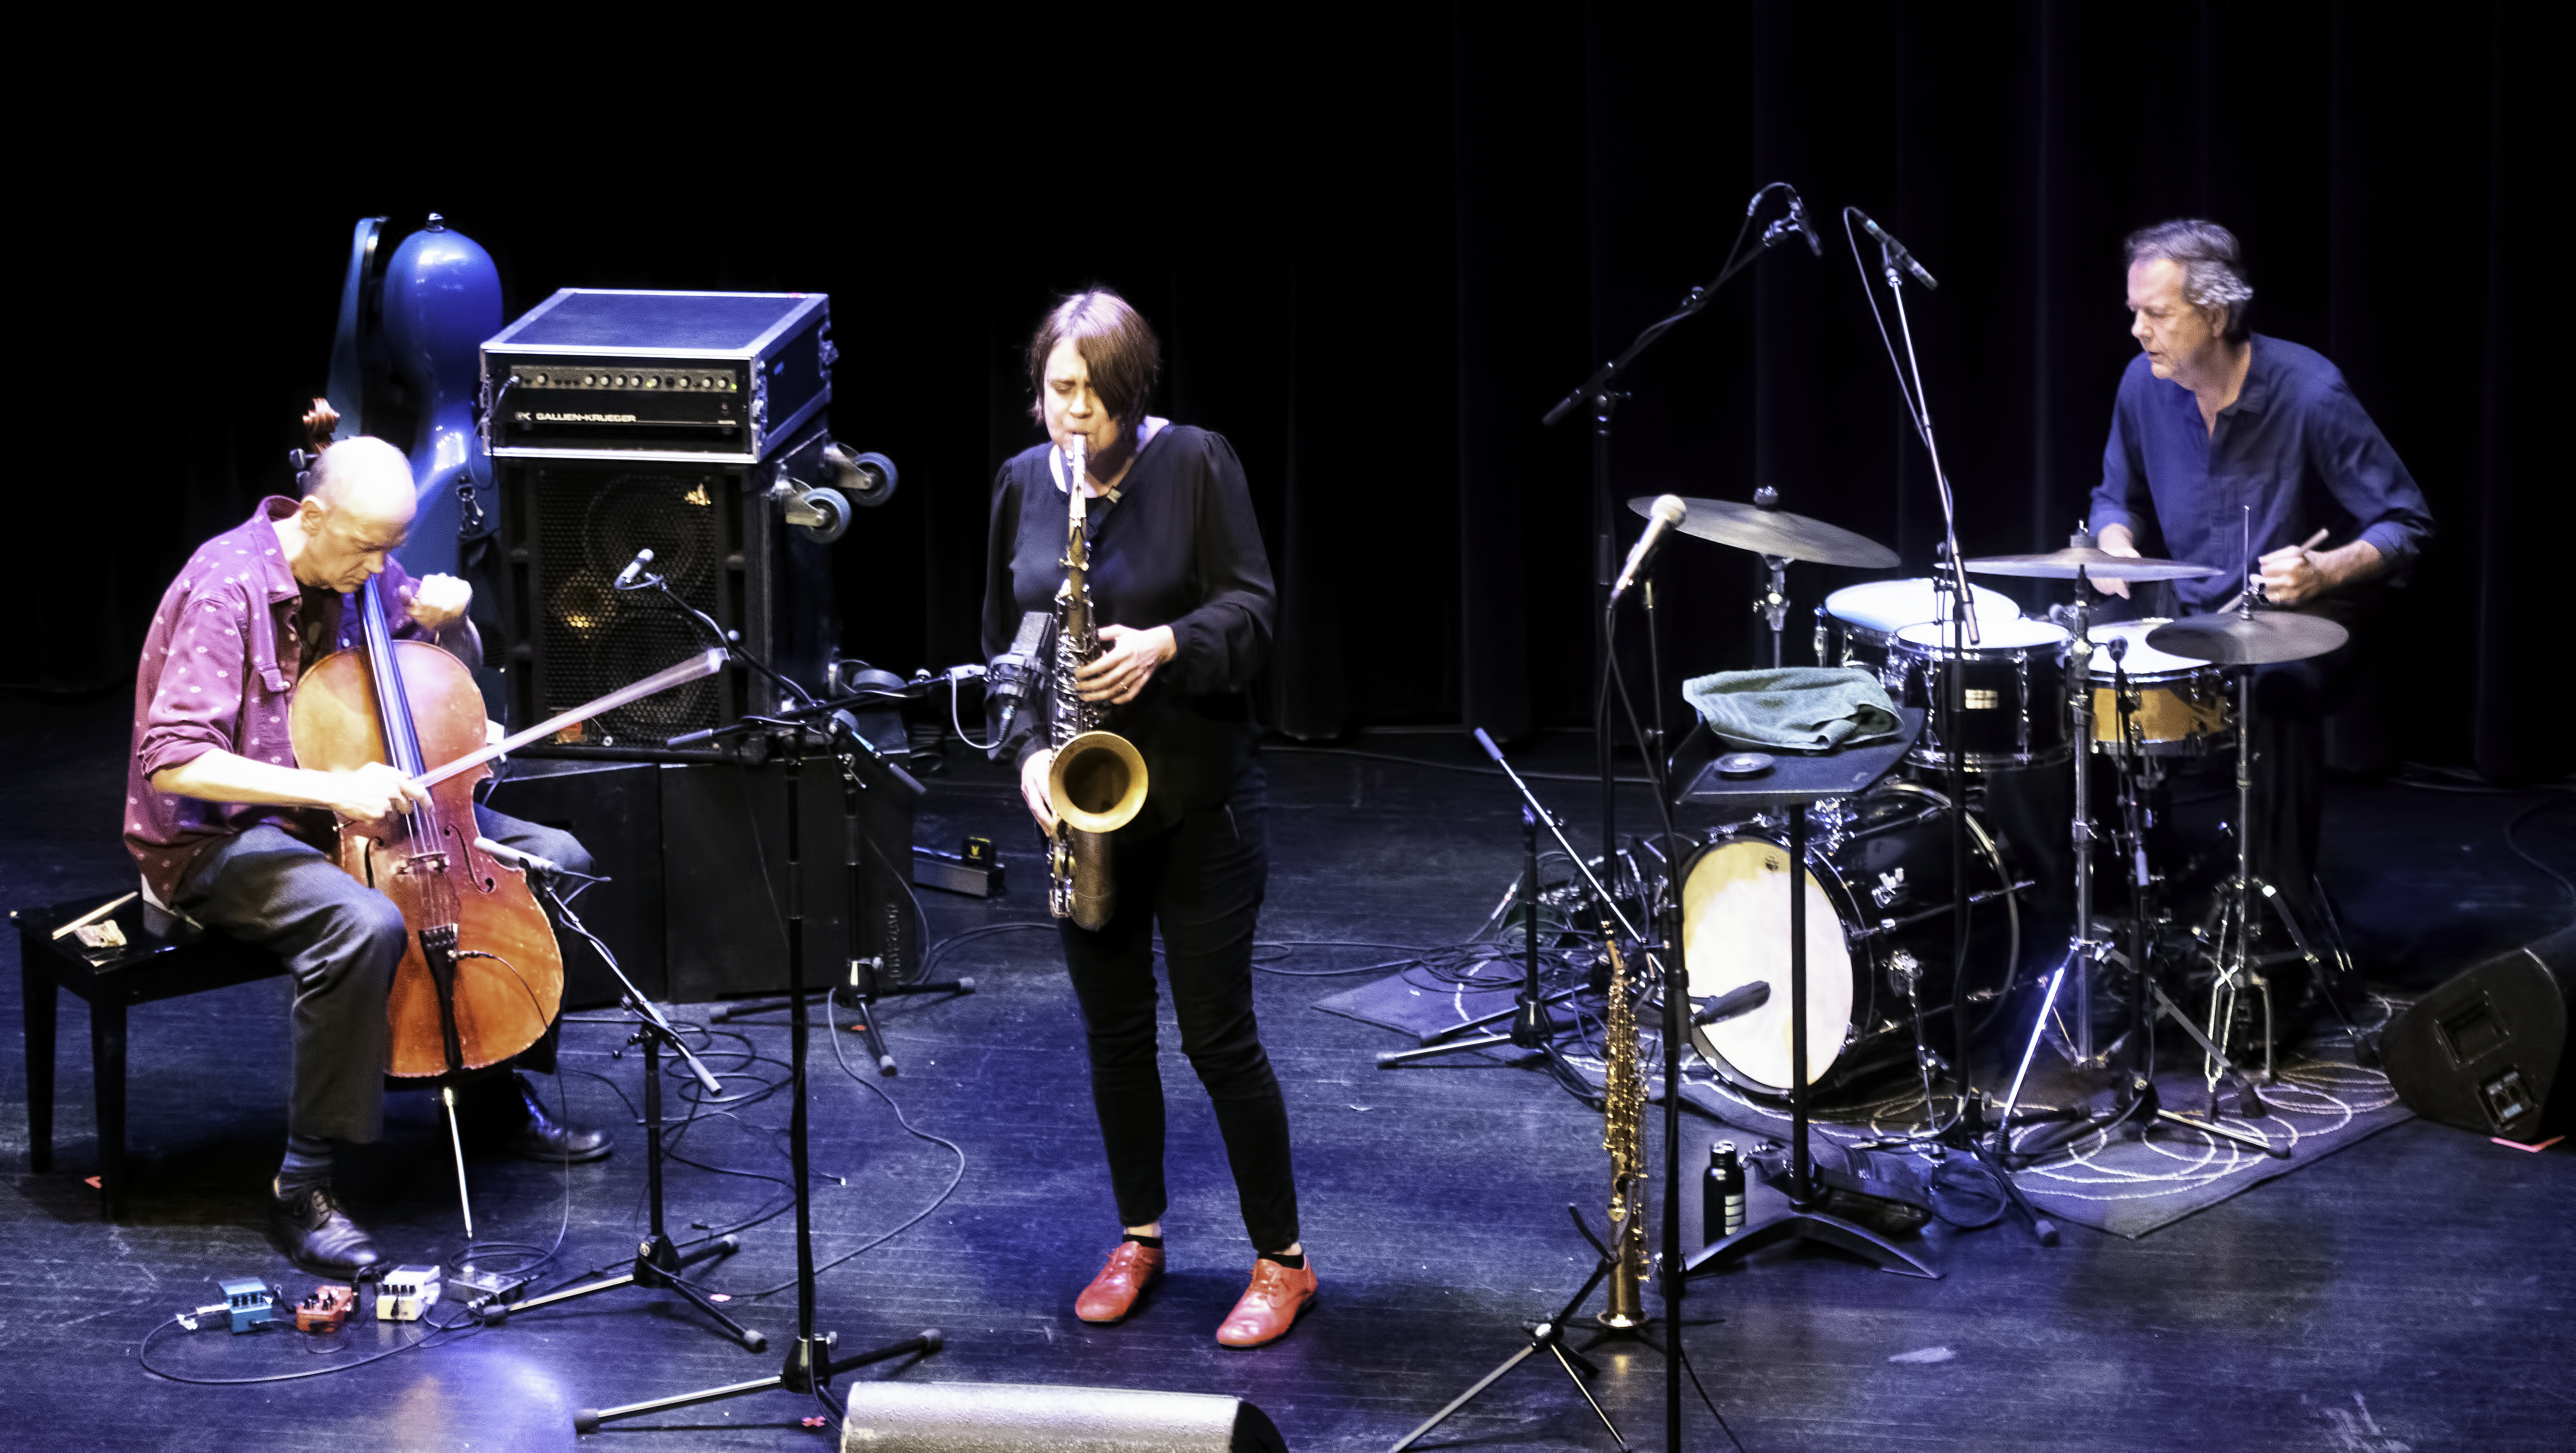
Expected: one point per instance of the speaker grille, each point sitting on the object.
(596, 638)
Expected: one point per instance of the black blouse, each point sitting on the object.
(1179, 547)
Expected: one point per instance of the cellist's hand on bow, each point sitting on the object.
(1128, 659)
(438, 601)
(374, 792)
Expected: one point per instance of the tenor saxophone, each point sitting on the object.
(1623, 1104)
(1097, 782)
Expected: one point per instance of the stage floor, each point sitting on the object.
(2417, 1290)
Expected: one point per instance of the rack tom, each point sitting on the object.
(2180, 708)
(1861, 619)
(2010, 693)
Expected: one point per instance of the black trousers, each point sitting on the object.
(341, 942)
(1202, 881)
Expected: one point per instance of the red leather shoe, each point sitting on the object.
(1271, 1305)
(1131, 1268)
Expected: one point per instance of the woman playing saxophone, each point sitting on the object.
(1179, 595)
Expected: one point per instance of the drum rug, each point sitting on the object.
(2117, 1180)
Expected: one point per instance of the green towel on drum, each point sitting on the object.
(1795, 708)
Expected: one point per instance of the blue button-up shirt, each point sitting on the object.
(2296, 446)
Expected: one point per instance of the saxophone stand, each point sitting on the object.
(1547, 1334)
(657, 1260)
(810, 1365)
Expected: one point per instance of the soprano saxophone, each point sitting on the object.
(1623, 1097)
(1097, 782)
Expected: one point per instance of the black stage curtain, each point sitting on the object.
(1378, 242)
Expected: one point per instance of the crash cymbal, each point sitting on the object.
(2256, 640)
(2099, 564)
(1776, 532)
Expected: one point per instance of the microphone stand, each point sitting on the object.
(1599, 397)
(810, 1365)
(1960, 632)
(657, 1261)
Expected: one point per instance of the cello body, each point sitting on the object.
(481, 974)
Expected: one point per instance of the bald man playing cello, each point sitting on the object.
(231, 834)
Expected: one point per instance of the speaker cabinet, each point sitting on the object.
(725, 886)
(569, 526)
(978, 1417)
(2486, 1051)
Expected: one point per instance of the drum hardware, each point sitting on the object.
(1773, 603)
(2241, 640)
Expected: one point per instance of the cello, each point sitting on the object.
(481, 974)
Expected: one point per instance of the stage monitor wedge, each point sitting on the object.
(2487, 1049)
(983, 1417)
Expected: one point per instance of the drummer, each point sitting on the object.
(2213, 417)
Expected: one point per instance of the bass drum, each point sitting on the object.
(1878, 911)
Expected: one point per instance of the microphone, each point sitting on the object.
(1738, 1000)
(1667, 512)
(1013, 675)
(1798, 214)
(1897, 256)
(626, 577)
(525, 862)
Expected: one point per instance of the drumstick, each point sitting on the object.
(2309, 543)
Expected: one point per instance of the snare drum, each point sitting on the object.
(2012, 693)
(2182, 705)
(1863, 617)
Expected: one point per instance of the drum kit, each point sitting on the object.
(1890, 872)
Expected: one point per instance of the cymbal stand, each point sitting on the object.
(657, 1261)
(810, 1365)
(1772, 604)
(2231, 941)
(2083, 951)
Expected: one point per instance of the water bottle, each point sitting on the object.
(1721, 1192)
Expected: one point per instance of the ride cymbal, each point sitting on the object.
(2256, 640)
(1776, 532)
(2099, 564)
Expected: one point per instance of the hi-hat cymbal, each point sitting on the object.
(2099, 564)
(1775, 532)
(2256, 640)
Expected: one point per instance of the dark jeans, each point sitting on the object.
(1203, 882)
(341, 941)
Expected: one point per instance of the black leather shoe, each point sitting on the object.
(538, 1137)
(319, 1237)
